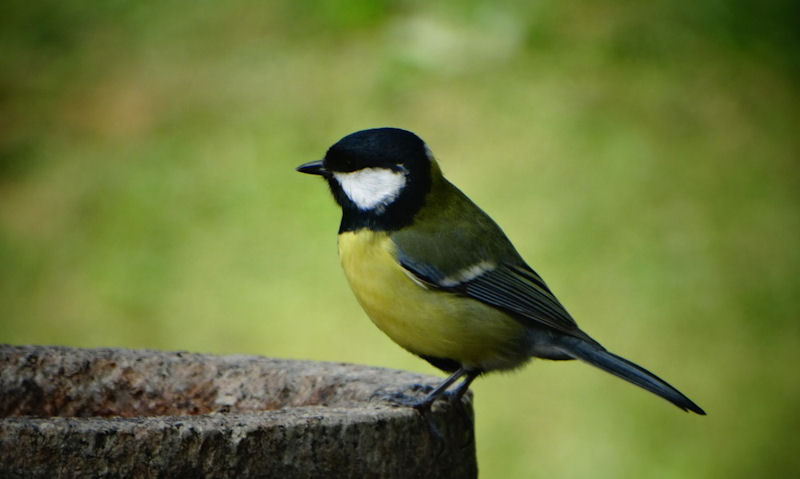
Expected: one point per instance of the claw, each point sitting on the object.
(433, 429)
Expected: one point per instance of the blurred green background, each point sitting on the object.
(641, 155)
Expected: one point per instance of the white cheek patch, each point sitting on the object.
(372, 188)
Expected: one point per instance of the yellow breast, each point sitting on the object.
(422, 320)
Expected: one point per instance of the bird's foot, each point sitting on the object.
(403, 399)
(423, 406)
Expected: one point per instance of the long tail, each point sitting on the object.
(597, 356)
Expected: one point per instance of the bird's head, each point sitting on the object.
(379, 177)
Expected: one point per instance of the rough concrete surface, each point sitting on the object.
(67, 412)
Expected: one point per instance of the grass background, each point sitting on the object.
(642, 157)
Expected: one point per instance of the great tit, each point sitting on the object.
(440, 278)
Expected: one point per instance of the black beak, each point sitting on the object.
(313, 168)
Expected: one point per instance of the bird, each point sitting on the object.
(437, 275)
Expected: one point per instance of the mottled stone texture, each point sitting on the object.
(67, 412)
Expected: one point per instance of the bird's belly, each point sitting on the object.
(425, 321)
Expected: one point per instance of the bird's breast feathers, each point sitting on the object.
(423, 320)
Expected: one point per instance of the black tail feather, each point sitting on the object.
(622, 368)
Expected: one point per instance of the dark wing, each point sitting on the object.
(523, 292)
(516, 289)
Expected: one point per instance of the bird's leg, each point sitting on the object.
(456, 394)
(425, 403)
